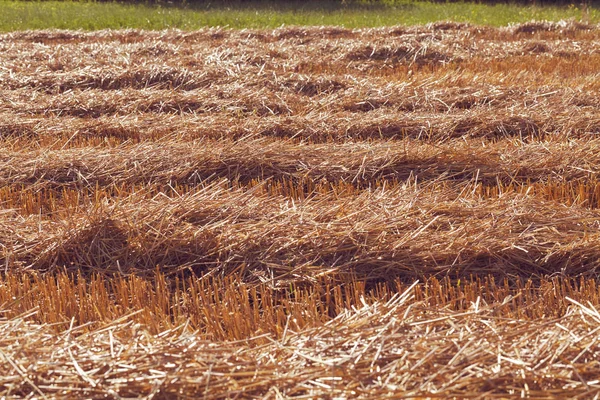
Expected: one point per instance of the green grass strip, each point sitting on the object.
(18, 15)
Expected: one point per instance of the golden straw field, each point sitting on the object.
(301, 212)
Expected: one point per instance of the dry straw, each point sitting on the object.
(245, 213)
(436, 339)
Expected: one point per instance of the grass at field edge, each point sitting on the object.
(19, 15)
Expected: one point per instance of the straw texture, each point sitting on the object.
(300, 212)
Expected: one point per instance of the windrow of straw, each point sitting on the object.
(246, 99)
(411, 343)
(179, 162)
(62, 132)
(374, 235)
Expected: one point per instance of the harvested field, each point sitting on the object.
(301, 212)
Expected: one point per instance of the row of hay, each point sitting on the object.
(243, 99)
(53, 203)
(64, 132)
(173, 162)
(379, 348)
(550, 28)
(380, 234)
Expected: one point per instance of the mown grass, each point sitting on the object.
(18, 15)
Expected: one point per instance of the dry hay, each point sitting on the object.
(434, 339)
(384, 234)
(229, 213)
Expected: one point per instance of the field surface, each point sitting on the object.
(301, 212)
